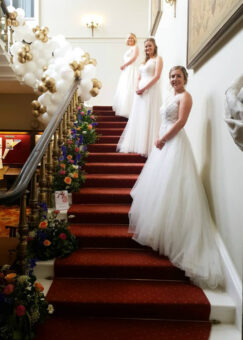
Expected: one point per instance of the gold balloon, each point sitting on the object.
(42, 109)
(9, 22)
(27, 48)
(36, 113)
(29, 56)
(15, 23)
(77, 74)
(45, 39)
(35, 104)
(50, 82)
(22, 53)
(94, 91)
(37, 35)
(44, 68)
(93, 61)
(52, 89)
(42, 88)
(80, 66)
(45, 30)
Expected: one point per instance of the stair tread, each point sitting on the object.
(104, 191)
(120, 329)
(101, 230)
(100, 208)
(137, 292)
(116, 257)
(112, 176)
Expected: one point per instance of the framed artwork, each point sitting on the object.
(156, 13)
(208, 21)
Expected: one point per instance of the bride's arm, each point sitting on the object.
(158, 70)
(138, 80)
(133, 58)
(184, 110)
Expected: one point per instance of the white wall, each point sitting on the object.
(219, 161)
(108, 44)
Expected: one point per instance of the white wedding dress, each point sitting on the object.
(143, 125)
(122, 103)
(170, 211)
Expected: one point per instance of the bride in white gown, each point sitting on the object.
(122, 103)
(143, 125)
(170, 211)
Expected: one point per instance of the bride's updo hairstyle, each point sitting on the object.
(183, 70)
(152, 40)
(133, 36)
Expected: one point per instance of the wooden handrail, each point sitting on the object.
(30, 166)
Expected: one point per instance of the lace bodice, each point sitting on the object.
(169, 110)
(148, 69)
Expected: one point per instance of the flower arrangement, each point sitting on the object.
(69, 174)
(22, 305)
(52, 238)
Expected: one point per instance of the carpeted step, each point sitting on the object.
(104, 236)
(78, 328)
(113, 168)
(109, 113)
(102, 108)
(108, 139)
(99, 213)
(111, 125)
(117, 263)
(172, 300)
(111, 147)
(114, 157)
(110, 180)
(114, 118)
(102, 195)
(109, 132)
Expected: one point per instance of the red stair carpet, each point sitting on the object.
(112, 288)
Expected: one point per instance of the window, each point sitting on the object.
(27, 5)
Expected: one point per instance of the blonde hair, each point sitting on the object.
(152, 40)
(134, 37)
(182, 69)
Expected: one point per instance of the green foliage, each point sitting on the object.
(51, 238)
(22, 305)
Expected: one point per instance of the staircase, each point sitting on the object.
(112, 288)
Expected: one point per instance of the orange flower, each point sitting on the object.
(75, 175)
(69, 157)
(68, 180)
(47, 243)
(43, 224)
(62, 165)
(38, 287)
(10, 277)
(90, 127)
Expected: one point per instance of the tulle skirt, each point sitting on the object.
(123, 98)
(143, 125)
(170, 212)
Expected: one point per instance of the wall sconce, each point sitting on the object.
(92, 22)
(172, 2)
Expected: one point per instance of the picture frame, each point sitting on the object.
(156, 13)
(208, 21)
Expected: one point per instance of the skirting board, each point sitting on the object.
(233, 282)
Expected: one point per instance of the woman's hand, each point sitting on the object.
(159, 143)
(140, 91)
(123, 67)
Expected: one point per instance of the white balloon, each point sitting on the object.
(45, 99)
(20, 69)
(40, 62)
(88, 72)
(62, 86)
(31, 66)
(56, 98)
(20, 12)
(44, 119)
(86, 85)
(52, 109)
(29, 79)
(37, 45)
(15, 47)
(67, 73)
